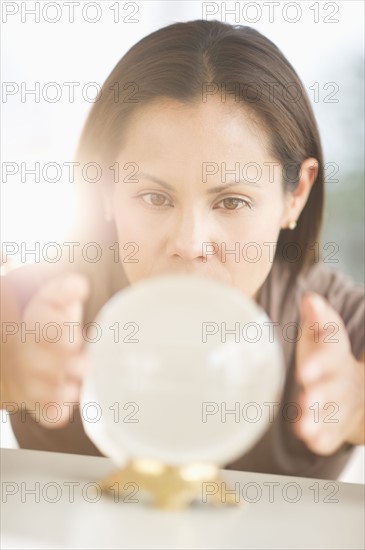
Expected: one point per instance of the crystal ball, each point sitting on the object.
(183, 369)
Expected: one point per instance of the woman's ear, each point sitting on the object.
(296, 200)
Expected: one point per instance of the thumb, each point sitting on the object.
(320, 321)
(58, 300)
(323, 334)
(65, 290)
(313, 308)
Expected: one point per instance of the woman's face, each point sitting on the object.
(183, 201)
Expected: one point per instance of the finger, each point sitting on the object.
(42, 394)
(42, 365)
(58, 326)
(323, 442)
(56, 330)
(59, 301)
(317, 367)
(320, 404)
(317, 356)
(54, 408)
(76, 367)
(321, 323)
(64, 290)
(321, 423)
(68, 399)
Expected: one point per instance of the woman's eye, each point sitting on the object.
(156, 199)
(230, 203)
(235, 203)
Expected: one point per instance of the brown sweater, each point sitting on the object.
(278, 451)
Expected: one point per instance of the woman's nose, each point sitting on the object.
(188, 238)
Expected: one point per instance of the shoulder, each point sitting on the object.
(343, 293)
(328, 279)
(337, 287)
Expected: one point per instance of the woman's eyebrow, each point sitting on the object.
(156, 180)
(216, 189)
(220, 188)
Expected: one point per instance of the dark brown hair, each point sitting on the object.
(175, 62)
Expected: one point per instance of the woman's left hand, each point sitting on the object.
(332, 398)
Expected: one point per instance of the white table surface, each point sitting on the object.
(278, 520)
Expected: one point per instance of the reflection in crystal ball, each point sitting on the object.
(181, 372)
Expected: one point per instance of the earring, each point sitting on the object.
(292, 224)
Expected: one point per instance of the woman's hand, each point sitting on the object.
(333, 381)
(47, 371)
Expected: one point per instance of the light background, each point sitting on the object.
(86, 52)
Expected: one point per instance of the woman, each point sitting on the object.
(201, 155)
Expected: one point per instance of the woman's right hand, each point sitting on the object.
(51, 370)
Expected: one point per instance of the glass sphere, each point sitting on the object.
(180, 371)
